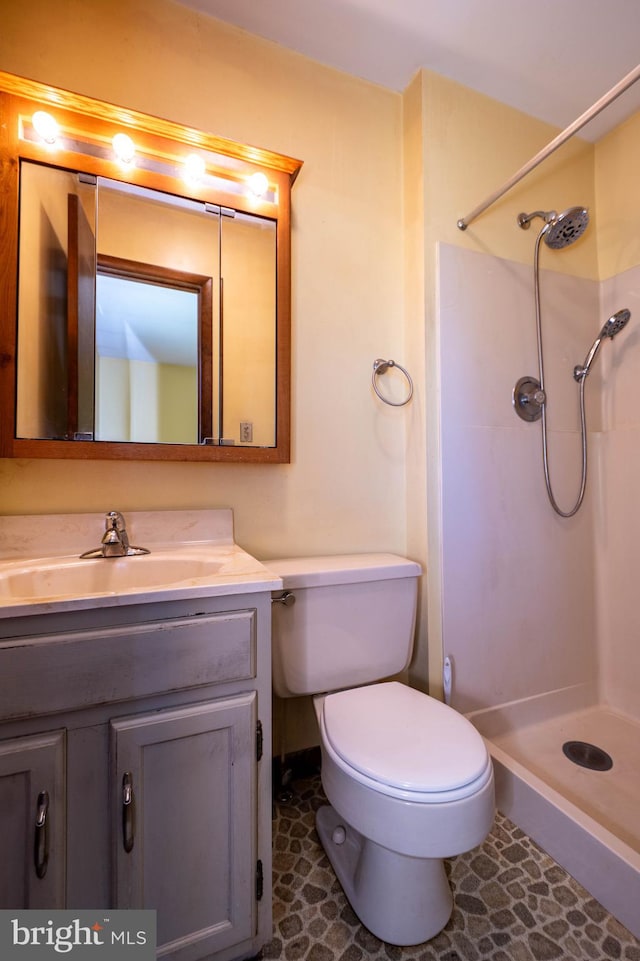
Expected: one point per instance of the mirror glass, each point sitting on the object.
(143, 316)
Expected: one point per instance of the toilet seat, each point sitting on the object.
(405, 744)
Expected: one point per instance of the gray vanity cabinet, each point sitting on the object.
(144, 726)
(184, 803)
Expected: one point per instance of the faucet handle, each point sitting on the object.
(114, 520)
(115, 540)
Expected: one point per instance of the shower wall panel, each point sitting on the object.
(617, 522)
(519, 588)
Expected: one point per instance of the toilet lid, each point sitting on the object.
(403, 738)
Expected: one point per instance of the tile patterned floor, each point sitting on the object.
(512, 903)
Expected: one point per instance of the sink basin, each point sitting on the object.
(193, 555)
(71, 577)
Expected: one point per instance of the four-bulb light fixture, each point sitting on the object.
(194, 168)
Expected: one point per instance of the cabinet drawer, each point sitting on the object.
(67, 671)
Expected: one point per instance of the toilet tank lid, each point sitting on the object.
(341, 569)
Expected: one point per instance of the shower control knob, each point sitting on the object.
(535, 398)
(528, 398)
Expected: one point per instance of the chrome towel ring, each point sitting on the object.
(381, 366)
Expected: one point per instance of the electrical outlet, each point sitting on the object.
(246, 432)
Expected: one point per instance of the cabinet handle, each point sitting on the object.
(41, 837)
(128, 812)
(286, 598)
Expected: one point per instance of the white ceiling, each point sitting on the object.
(145, 321)
(550, 58)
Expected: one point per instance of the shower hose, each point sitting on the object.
(583, 417)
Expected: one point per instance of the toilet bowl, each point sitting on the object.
(394, 815)
(409, 780)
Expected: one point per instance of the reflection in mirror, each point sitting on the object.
(153, 331)
(248, 333)
(54, 352)
(162, 311)
(171, 246)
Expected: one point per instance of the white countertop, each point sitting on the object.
(192, 554)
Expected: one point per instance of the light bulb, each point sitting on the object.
(124, 148)
(258, 184)
(194, 168)
(45, 126)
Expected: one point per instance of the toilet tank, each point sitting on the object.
(352, 622)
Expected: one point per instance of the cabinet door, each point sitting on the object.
(32, 821)
(185, 822)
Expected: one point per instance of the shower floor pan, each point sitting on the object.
(587, 820)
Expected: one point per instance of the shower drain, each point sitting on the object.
(587, 755)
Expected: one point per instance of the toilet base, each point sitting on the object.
(402, 900)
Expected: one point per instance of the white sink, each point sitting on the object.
(197, 556)
(65, 577)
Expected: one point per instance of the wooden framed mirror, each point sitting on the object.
(144, 301)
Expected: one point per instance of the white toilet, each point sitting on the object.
(409, 780)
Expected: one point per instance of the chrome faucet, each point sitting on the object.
(115, 540)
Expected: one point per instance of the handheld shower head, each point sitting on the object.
(560, 230)
(610, 328)
(615, 323)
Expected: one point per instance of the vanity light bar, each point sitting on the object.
(45, 131)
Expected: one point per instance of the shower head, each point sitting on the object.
(615, 323)
(560, 230)
(610, 328)
(566, 228)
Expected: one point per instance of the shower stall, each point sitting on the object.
(540, 617)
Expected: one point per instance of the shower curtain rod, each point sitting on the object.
(558, 141)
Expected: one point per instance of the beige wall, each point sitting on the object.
(618, 198)
(144, 401)
(155, 233)
(473, 145)
(416, 308)
(344, 489)
(113, 401)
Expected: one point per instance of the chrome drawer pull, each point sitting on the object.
(286, 598)
(128, 812)
(41, 838)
